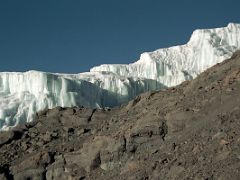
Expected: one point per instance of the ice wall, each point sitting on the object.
(23, 94)
(173, 65)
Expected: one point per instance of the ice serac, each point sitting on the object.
(171, 66)
(23, 94)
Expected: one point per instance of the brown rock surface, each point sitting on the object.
(191, 131)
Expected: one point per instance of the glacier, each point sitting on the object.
(108, 85)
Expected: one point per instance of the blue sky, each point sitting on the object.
(72, 36)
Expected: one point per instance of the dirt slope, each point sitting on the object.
(191, 131)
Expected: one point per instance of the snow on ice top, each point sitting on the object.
(23, 94)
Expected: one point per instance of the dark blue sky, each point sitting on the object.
(73, 35)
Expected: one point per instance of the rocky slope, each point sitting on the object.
(191, 131)
(24, 94)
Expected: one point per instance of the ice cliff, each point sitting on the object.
(23, 94)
